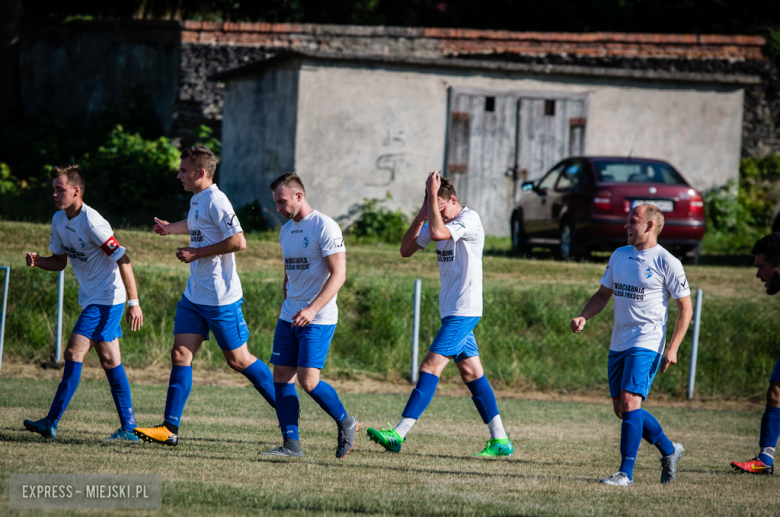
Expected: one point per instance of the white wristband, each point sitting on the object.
(132, 303)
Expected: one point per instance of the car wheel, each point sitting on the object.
(519, 244)
(693, 256)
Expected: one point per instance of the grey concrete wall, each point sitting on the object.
(78, 75)
(364, 131)
(258, 136)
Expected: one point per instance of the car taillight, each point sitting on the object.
(602, 202)
(697, 203)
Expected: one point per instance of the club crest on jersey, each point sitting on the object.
(648, 273)
(82, 243)
(305, 242)
(196, 215)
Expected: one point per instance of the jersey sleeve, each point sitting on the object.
(606, 279)
(222, 214)
(331, 239)
(102, 235)
(55, 243)
(425, 236)
(464, 227)
(676, 281)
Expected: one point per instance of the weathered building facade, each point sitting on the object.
(361, 108)
(357, 126)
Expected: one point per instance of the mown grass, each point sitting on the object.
(524, 334)
(561, 450)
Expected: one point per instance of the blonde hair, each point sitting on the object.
(654, 213)
(71, 171)
(202, 158)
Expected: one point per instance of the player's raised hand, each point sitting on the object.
(187, 255)
(422, 215)
(32, 259)
(303, 317)
(135, 318)
(433, 182)
(161, 227)
(577, 324)
(668, 360)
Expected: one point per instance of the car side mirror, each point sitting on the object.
(527, 186)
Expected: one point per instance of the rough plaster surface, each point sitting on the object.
(366, 131)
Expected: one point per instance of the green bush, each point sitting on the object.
(377, 222)
(130, 179)
(740, 212)
(130, 170)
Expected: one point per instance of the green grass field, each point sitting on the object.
(561, 450)
(524, 335)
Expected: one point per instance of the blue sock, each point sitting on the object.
(287, 408)
(120, 390)
(263, 380)
(324, 395)
(630, 439)
(770, 431)
(71, 375)
(652, 432)
(421, 395)
(179, 388)
(484, 398)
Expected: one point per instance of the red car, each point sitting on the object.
(582, 203)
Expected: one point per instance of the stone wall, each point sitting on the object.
(205, 48)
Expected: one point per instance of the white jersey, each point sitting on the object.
(89, 242)
(460, 265)
(304, 248)
(213, 280)
(642, 282)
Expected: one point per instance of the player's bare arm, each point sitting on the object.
(135, 317)
(594, 306)
(680, 328)
(409, 244)
(439, 232)
(337, 267)
(165, 228)
(232, 244)
(53, 263)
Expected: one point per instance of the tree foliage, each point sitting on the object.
(668, 16)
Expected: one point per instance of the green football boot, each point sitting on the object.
(497, 447)
(387, 438)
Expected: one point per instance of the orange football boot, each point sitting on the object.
(754, 466)
(159, 434)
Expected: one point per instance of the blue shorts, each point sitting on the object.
(456, 338)
(225, 321)
(632, 370)
(776, 372)
(100, 322)
(306, 347)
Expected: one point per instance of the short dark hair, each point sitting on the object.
(446, 190)
(71, 171)
(287, 180)
(202, 158)
(769, 247)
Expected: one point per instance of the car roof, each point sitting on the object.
(621, 158)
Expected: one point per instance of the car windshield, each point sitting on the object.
(623, 171)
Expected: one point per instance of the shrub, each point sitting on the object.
(378, 222)
(740, 212)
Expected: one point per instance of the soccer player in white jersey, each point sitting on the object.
(460, 239)
(315, 267)
(213, 297)
(642, 276)
(767, 260)
(105, 278)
